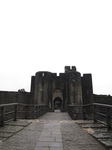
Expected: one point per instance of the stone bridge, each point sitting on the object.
(54, 131)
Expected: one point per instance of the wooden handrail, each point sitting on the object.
(35, 112)
(9, 104)
(3, 113)
(106, 114)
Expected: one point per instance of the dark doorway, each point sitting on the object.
(57, 103)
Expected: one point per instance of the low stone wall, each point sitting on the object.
(81, 112)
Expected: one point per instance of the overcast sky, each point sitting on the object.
(46, 35)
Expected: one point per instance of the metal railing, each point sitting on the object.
(12, 111)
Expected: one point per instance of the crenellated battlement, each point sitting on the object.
(70, 69)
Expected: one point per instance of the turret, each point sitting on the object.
(70, 69)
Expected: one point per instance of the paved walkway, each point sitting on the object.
(53, 131)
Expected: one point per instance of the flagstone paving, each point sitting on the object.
(52, 131)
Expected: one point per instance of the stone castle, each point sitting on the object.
(57, 92)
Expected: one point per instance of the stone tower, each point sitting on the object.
(57, 92)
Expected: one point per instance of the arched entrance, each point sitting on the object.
(58, 103)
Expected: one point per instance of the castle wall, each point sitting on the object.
(87, 94)
(87, 90)
(104, 99)
(38, 92)
(14, 97)
(47, 88)
(74, 86)
(32, 89)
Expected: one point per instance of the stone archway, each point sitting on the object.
(58, 103)
(57, 100)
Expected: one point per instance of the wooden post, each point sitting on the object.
(39, 111)
(26, 113)
(2, 117)
(84, 113)
(15, 113)
(108, 119)
(95, 117)
(34, 113)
